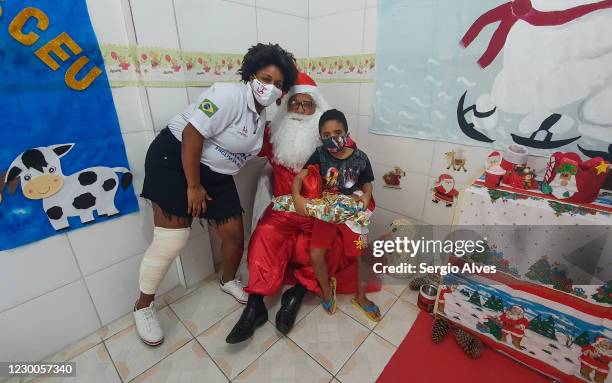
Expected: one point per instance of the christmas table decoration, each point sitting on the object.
(570, 179)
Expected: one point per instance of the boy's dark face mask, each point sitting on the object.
(335, 144)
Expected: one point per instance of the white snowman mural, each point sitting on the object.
(556, 74)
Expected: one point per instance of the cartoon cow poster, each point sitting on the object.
(63, 163)
(496, 72)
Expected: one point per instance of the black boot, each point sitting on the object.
(254, 315)
(291, 301)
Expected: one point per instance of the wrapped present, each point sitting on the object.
(332, 208)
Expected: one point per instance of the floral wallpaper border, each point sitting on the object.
(161, 67)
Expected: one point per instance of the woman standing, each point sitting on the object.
(189, 172)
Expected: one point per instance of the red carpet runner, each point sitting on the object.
(418, 359)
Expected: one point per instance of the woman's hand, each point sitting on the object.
(196, 200)
(363, 198)
(299, 203)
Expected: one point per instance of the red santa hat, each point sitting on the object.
(303, 84)
(495, 154)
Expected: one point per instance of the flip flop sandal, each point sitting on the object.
(330, 306)
(371, 311)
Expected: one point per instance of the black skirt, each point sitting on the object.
(165, 183)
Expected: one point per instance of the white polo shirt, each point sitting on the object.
(225, 115)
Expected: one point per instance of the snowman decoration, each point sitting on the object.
(556, 73)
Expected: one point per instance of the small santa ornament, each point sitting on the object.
(595, 359)
(444, 190)
(494, 162)
(514, 324)
(563, 186)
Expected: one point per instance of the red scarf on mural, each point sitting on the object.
(509, 13)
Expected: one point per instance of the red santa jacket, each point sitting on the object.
(594, 359)
(513, 326)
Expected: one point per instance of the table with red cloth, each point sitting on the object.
(539, 308)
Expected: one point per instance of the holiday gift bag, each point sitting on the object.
(332, 208)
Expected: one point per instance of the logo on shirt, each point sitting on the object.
(245, 132)
(208, 107)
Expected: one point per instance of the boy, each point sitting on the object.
(347, 170)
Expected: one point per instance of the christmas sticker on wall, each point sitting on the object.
(392, 178)
(456, 160)
(444, 190)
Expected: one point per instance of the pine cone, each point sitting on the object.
(416, 283)
(470, 344)
(439, 330)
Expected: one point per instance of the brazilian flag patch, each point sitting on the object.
(208, 107)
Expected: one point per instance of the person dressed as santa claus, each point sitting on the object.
(514, 323)
(596, 357)
(279, 246)
(444, 190)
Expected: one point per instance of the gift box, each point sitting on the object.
(570, 179)
(332, 208)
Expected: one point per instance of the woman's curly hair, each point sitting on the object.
(261, 55)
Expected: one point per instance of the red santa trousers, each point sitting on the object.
(279, 253)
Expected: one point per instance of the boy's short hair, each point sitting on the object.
(333, 115)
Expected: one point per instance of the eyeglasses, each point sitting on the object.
(307, 105)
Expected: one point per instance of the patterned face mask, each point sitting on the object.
(335, 144)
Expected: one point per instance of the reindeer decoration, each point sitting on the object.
(456, 159)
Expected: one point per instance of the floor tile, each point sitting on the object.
(329, 339)
(395, 286)
(410, 296)
(204, 307)
(284, 362)
(368, 361)
(234, 358)
(273, 303)
(76, 349)
(190, 364)
(92, 366)
(132, 357)
(382, 298)
(397, 322)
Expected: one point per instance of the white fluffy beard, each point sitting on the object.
(294, 138)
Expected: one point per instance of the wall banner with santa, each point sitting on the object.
(496, 72)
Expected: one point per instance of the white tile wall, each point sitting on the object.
(194, 92)
(294, 35)
(115, 289)
(107, 18)
(369, 31)
(215, 26)
(44, 325)
(344, 97)
(136, 145)
(197, 259)
(154, 23)
(338, 34)
(35, 261)
(103, 244)
(130, 109)
(165, 103)
(323, 7)
(292, 7)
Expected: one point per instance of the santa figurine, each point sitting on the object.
(564, 184)
(494, 162)
(444, 190)
(514, 323)
(441, 298)
(596, 357)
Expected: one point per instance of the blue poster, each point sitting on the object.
(62, 159)
(497, 72)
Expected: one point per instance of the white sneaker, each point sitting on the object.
(148, 326)
(234, 288)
